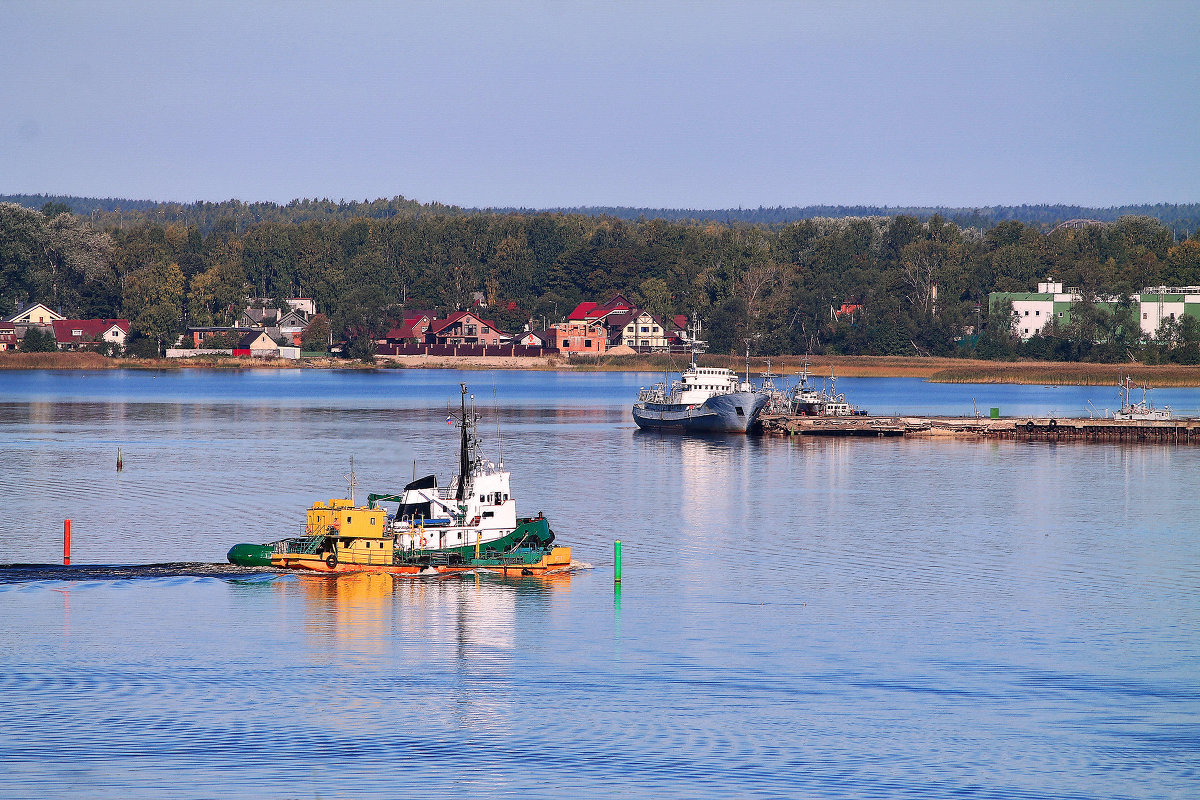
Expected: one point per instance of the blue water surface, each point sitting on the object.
(798, 617)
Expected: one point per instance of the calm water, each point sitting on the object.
(838, 618)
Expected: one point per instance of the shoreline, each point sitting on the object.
(934, 370)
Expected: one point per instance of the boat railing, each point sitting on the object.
(655, 394)
(305, 545)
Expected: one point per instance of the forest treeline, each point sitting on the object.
(922, 284)
(1181, 218)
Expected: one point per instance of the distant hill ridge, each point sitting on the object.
(1182, 218)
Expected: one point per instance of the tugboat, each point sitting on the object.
(703, 400)
(471, 525)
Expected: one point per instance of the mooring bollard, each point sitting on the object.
(67, 543)
(617, 561)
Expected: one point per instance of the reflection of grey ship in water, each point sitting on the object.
(703, 400)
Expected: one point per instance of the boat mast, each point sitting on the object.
(747, 361)
(464, 448)
(695, 336)
(351, 482)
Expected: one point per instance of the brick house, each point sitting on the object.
(578, 336)
(416, 325)
(465, 327)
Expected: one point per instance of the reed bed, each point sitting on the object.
(842, 366)
(1070, 374)
(11, 360)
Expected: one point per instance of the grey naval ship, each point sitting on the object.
(702, 400)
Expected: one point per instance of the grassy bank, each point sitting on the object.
(937, 370)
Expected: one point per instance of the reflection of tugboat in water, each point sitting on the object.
(471, 525)
(703, 400)
(1142, 410)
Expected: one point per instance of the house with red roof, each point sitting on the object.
(612, 316)
(581, 311)
(81, 334)
(465, 327)
(590, 312)
(8, 336)
(413, 329)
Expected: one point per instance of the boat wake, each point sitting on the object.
(23, 573)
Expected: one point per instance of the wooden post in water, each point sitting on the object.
(120, 463)
(67, 543)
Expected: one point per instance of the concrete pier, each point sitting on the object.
(1173, 431)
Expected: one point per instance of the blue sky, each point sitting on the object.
(687, 104)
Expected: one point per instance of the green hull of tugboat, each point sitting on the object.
(250, 555)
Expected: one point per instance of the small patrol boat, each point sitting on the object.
(470, 525)
(1142, 410)
(809, 401)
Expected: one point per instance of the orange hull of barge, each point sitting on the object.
(556, 561)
